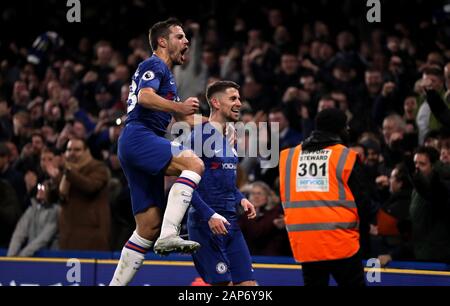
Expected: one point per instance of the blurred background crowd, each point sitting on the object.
(64, 89)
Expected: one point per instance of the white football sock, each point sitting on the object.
(178, 202)
(131, 259)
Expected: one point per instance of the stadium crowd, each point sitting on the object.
(62, 110)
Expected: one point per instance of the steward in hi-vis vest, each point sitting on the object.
(320, 212)
(324, 199)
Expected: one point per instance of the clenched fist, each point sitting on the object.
(188, 107)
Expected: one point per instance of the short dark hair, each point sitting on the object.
(49, 150)
(278, 109)
(219, 86)
(83, 141)
(328, 97)
(430, 152)
(434, 70)
(403, 175)
(410, 94)
(436, 134)
(161, 29)
(37, 134)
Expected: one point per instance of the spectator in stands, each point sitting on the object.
(20, 96)
(397, 142)
(72, 129)
(11, 175)
(84, 222)
(31, 154)
(13, 152)
(289, 72)
(326, 101)
(392, 227)
(409, 115)
(254, 93)
(266, 234)
(35, 108)
(37, 228)
(103, 64)
(10, 211)
(6, 126)
(438, 106)
(444, 156)
(364, 102)
(430, 207)
(432, 78)
(288, 136)
(21, 128)
(432, 139)
(231, 65)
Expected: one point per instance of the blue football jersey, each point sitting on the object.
(151, 73)
(218, 185)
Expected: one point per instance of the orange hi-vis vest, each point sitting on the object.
(320, 211)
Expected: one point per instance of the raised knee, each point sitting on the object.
(193, 162)
(198, 166)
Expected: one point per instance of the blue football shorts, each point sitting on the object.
(144, 156)
(222, 258)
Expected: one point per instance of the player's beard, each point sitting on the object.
(232, 117)
(179, 60)
(177, 57)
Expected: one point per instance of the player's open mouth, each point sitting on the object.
(183, 52)
(236, 111)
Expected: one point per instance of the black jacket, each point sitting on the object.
(439, 108)
(397, 205)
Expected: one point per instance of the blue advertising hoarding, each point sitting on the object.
(47, 272)
(89, 272)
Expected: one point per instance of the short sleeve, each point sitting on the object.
(151, 75)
